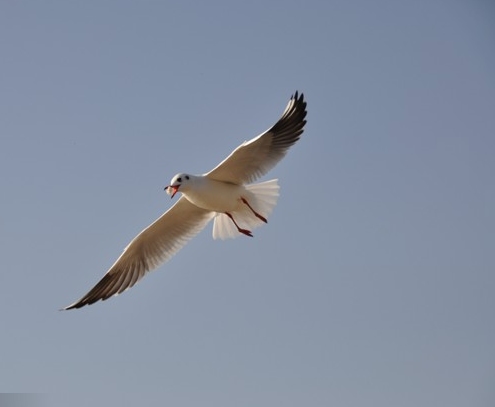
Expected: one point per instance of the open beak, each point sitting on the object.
(172, 190)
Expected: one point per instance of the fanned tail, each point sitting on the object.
(262, 198)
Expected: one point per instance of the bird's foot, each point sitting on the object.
(244, 200)
(243, 231)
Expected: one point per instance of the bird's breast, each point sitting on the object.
(216, 196)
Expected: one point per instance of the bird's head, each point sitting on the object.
(176, 182)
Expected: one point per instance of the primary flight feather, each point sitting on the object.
(224, 194)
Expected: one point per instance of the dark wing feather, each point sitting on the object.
(256, 157)
(153, 246)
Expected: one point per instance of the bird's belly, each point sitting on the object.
(217, 196)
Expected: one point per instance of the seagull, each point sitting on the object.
(226, 194)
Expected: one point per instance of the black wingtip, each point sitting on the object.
(69, 307)
(297, 97)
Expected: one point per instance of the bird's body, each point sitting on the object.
(225, 194)
(210, 194)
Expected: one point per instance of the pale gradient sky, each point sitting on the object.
(373, 283)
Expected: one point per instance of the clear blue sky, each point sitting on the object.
(373, 283)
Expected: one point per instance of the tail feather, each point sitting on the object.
(262, 197)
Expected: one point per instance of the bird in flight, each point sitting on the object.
(226, 194)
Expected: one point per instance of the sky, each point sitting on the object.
(371, 285)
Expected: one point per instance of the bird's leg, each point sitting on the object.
(252, 210)
(244, 231)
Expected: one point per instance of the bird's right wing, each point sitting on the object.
(153, 246)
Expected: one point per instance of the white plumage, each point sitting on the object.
(223, 194)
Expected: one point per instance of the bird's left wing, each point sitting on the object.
(153, 246)
(256, 157)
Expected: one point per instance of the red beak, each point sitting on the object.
(174, 188)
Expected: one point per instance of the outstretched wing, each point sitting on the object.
(256, 157)
(153, 246)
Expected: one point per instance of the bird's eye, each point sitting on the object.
(179, 179)
(187, 176)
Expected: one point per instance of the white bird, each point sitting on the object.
(224, 194)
